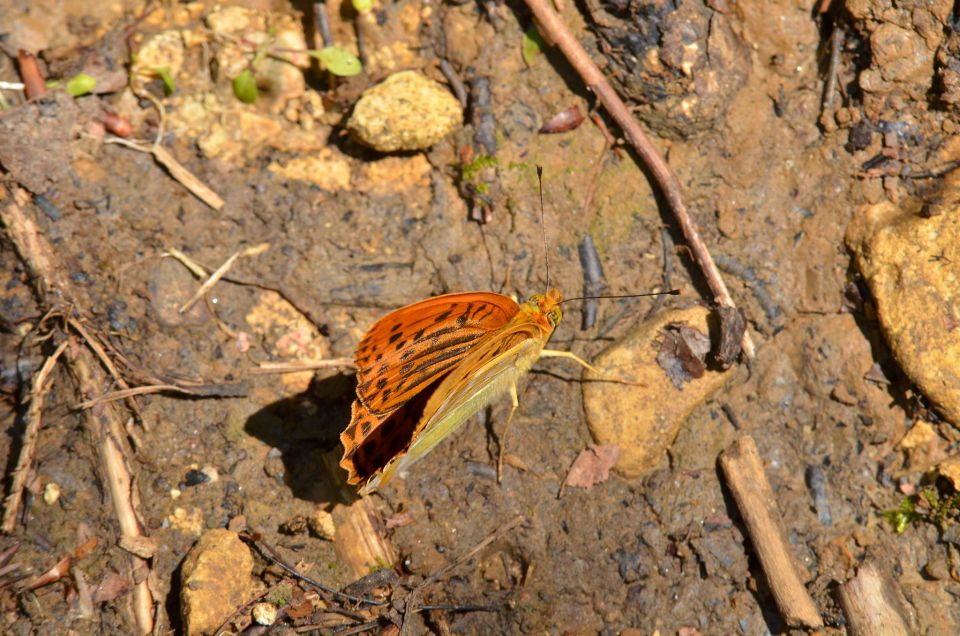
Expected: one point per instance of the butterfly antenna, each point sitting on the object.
(543, 224)
(671, 292)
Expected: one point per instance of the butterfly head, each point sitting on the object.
(548, 304)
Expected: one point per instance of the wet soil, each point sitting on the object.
(772, 186)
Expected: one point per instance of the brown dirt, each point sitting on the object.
(772, 189)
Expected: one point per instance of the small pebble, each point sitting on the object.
(321, 525)
(265, 613)
(175, 493)
(213, 475)
(195, 478)
(51, 493)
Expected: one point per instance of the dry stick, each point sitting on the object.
(743, 469)
(872, 606)
(186, 178)
(556, 30)
(463, 558)
(266, 368)
(830, 87)
(221, 272)
(38, 255)
(224, 390)
(22, 472)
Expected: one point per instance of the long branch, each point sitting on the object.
(556, 31)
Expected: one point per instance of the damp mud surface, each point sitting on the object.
(780, 121)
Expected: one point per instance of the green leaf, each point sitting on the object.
(164, 74)
(533, 44)
(338, 61)
(362, 6)
(81, 84)
(245, 87)
(902, 516)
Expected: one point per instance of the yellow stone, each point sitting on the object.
(644, 420)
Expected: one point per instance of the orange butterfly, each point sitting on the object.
(424, 369)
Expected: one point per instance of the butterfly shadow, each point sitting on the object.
(305, 430)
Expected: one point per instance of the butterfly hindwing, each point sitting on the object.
(488, 371)
(408, 349)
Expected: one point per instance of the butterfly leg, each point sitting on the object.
(503, 437)
(553, 353)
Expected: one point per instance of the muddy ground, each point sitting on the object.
(772, 162)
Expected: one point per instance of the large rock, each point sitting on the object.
(644, 420)
(912, 265)
(406, 111)
(215, 581)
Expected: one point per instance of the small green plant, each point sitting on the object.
(334, 59)
(164, 74)
(533, 44)
(362, 6)
(337, 60)
(470, 172)
(280, 596)
(927, 505)
(81, 84)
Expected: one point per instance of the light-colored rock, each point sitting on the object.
(328, 169)
(215, 581)
(264, 613)
(406, 111)
(51, 493)
(950, 468)
(644, 420)
(912, 266)
(187, 521)
(321, 525)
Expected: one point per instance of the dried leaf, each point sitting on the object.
(682, 353)
(143, 547)
(54, 574)
(564, 121)
(399, 520)
(733, 323)
(592, 465)
(112, 586)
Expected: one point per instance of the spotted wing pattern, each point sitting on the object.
(412, 346)
(488, 371)
(401, 360)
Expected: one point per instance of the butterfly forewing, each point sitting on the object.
(411, 347)
(495, 363)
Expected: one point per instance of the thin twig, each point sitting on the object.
(221, 272)
(455, 83)
(830, 87)
(267, 368)
(102, 426)
(410, 598)
(22, 472)
(215, 390)
(555, 29)
(270, 554)
(322, 23)
(186, 178)
(666, 248)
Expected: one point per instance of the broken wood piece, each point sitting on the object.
(186, 178)
(359, 541)
(22, 472)
(871, 603)
(103, 424)
(743, 470)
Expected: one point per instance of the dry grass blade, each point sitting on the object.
(221, 272)
(21, 473)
